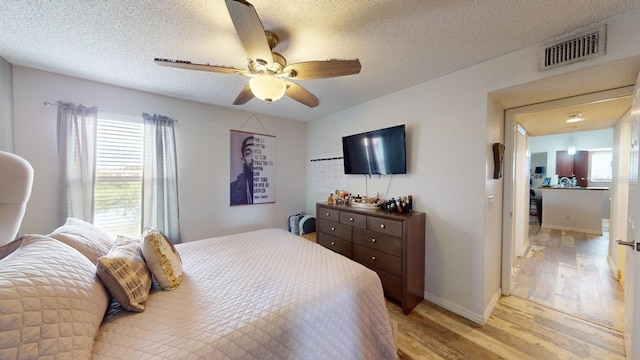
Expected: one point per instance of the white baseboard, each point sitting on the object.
(612, 266)
(525, 247)
(567, 228)
(492, 305)
(614, 270)
(465, 313)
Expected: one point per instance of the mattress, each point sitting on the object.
(266, 294)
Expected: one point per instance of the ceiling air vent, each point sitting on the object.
(583, 46)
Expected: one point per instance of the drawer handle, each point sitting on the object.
(333, 229)
(373, 258)
(382, 226)
(328, 214)
(351, 219)
(373, 240)
(333, 243)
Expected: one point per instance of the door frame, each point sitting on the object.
(509, 199)
(632, 279)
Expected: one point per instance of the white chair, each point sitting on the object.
(16, 179)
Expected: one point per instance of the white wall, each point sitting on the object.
(202, 140)
(447, 125)
(493, 213)
(445, 176)
(6, 106)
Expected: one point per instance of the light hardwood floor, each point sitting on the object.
(568, 271)
(517, 329)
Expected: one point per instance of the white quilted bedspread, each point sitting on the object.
(266, 294)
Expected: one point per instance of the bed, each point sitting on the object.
(266, 294)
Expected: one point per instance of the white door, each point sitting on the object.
(632, 255)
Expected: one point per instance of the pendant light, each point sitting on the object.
(572, 149)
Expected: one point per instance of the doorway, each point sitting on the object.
(568, 271)
(548, 265)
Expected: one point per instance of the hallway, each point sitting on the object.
(568, 271)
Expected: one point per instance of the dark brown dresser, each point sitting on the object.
(390, 244)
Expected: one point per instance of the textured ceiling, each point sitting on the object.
(597, 115)
(399, 43)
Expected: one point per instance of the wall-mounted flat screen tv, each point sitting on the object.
(380, 151)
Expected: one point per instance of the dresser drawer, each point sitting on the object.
(385, 226)
(328, 214)
(377, 259)
(336, 244)
(355, 220)
(392, 285)
(389, 244)
(339, 230)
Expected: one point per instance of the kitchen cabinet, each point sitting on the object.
(573, 165)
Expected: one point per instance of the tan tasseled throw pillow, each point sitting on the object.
(125, 274)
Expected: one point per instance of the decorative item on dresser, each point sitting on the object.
(390, 244)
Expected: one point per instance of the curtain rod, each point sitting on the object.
(46, 103)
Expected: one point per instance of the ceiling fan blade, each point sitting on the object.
(244, 96)
(300, 94)
(322, 69)
(250, 31)
(202, 67)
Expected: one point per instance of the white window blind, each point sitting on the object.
(600, 169)
(118, 188)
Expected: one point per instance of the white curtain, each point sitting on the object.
(160, 177)
(77, 126)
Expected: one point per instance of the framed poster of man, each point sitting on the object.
(253, 171)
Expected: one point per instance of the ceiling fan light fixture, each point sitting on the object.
(267, 87)
(267, 69)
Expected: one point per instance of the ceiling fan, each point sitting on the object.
(268, 69)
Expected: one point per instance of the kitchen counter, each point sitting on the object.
(573, 208)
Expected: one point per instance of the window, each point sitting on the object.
(600, 170)
(118, 187)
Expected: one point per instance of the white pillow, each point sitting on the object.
(87, 238)
(125, 274)
(51, 301)
(162, 259)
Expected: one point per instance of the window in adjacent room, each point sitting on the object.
(118, 187)
(600, 170)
